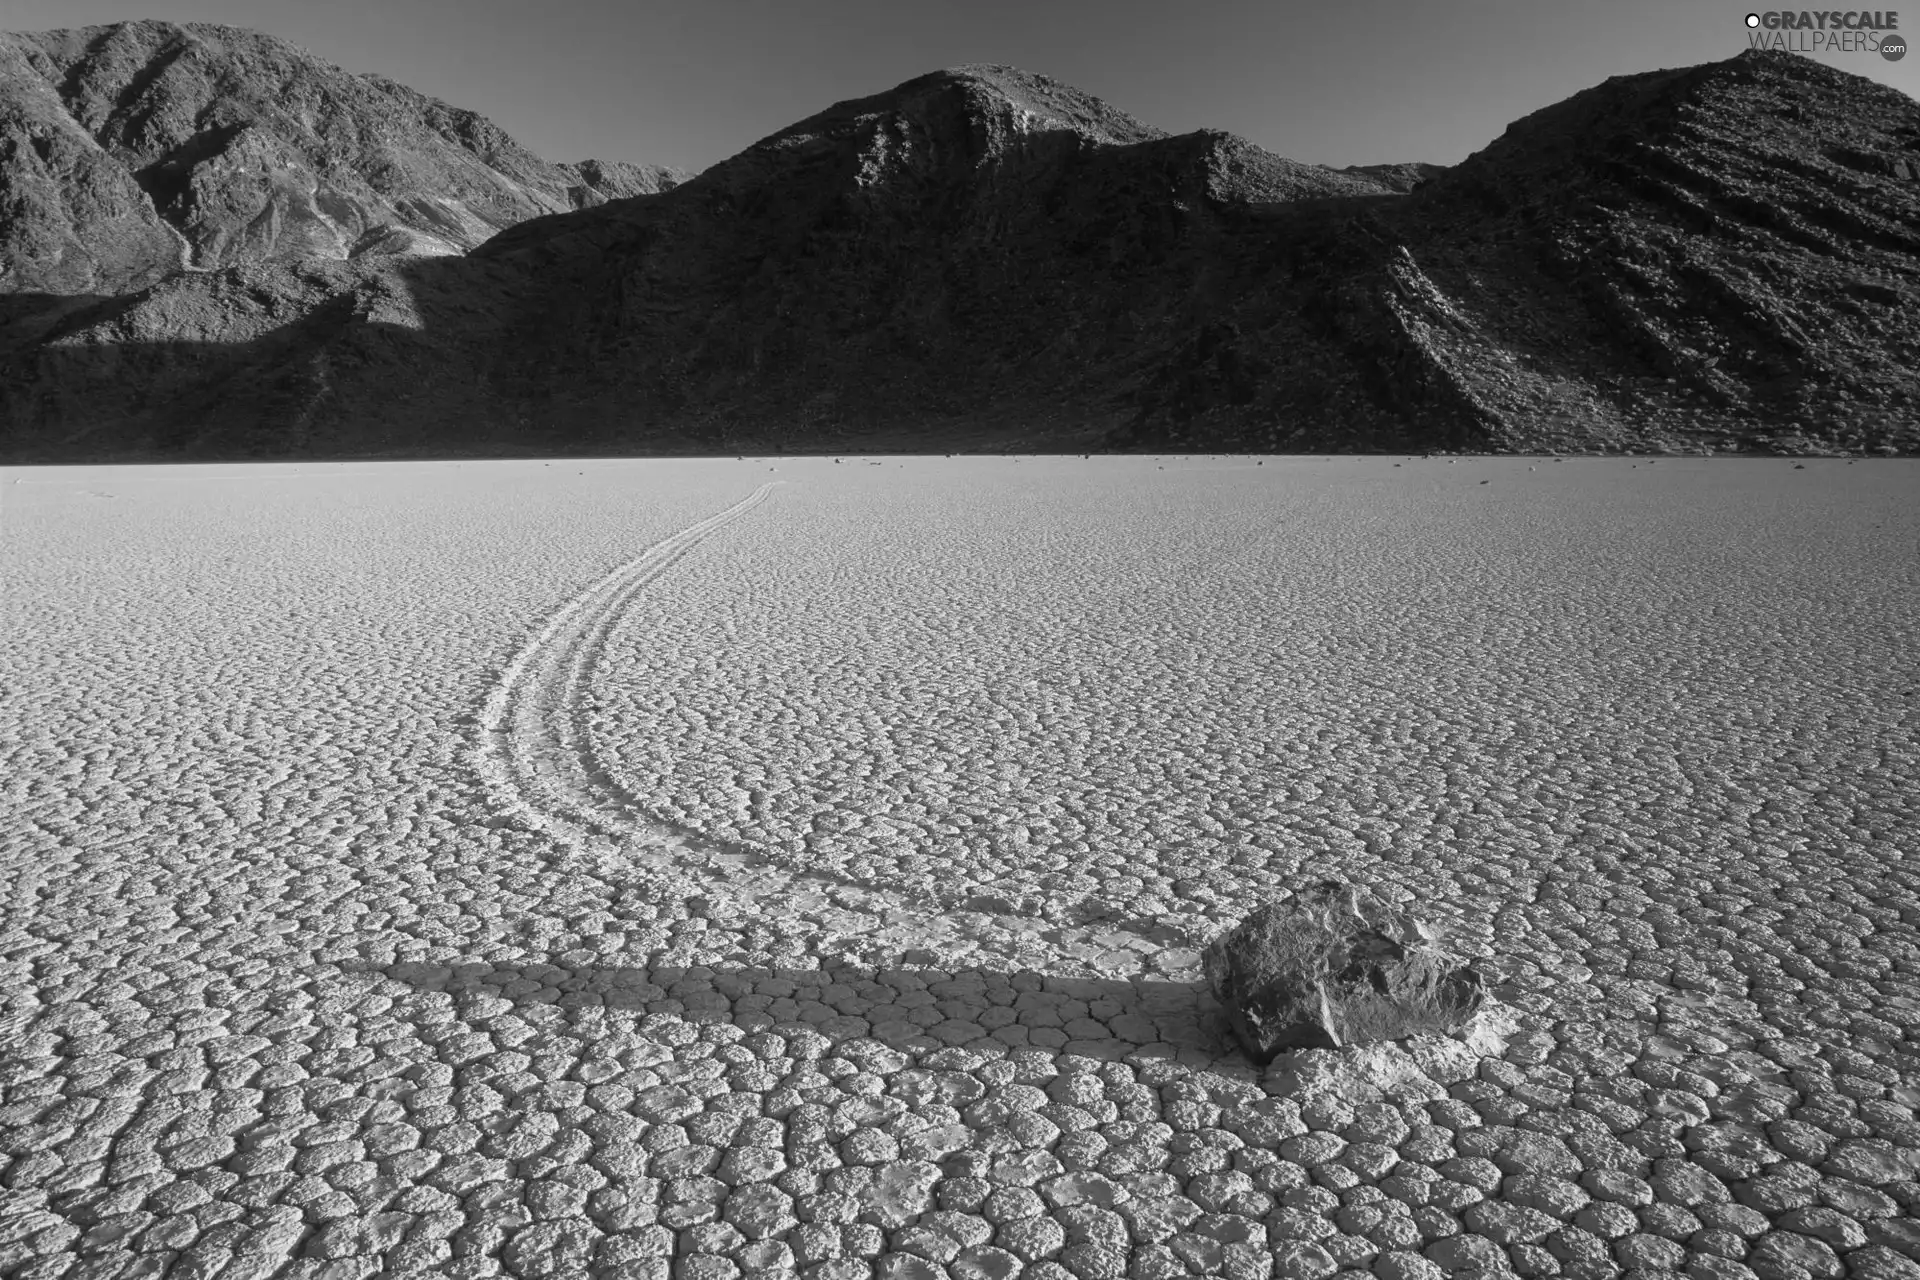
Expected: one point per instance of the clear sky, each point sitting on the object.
(690, 82)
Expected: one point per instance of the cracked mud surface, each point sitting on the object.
(624, 868)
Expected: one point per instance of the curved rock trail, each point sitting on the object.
(536, 755)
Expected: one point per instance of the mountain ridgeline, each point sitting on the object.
(215, 246)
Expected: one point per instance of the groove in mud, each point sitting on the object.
(535, 753)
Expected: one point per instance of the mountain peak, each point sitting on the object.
(1041, 98)
(989, 95)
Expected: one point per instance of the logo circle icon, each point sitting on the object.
(1753, 19)
(1893, 47)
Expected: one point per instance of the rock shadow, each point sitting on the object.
(911, 1009)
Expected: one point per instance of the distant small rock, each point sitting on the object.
(1334, 967)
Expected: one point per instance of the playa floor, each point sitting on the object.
(799, 866)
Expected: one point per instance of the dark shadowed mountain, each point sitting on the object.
(1718, 257)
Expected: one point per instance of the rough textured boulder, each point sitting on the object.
(1334, 967)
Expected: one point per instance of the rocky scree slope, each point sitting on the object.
(1718, 257)
(131, 151)
(1723, 256)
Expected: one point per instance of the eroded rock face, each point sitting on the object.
(1335, 967)
(128, 149)
(72, 219)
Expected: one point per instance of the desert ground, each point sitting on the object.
(799, 866)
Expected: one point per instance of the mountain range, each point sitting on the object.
(213, 245)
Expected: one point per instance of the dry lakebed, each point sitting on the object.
(798, 866)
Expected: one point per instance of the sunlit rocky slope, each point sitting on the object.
(131, 151)
(1717, 257)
